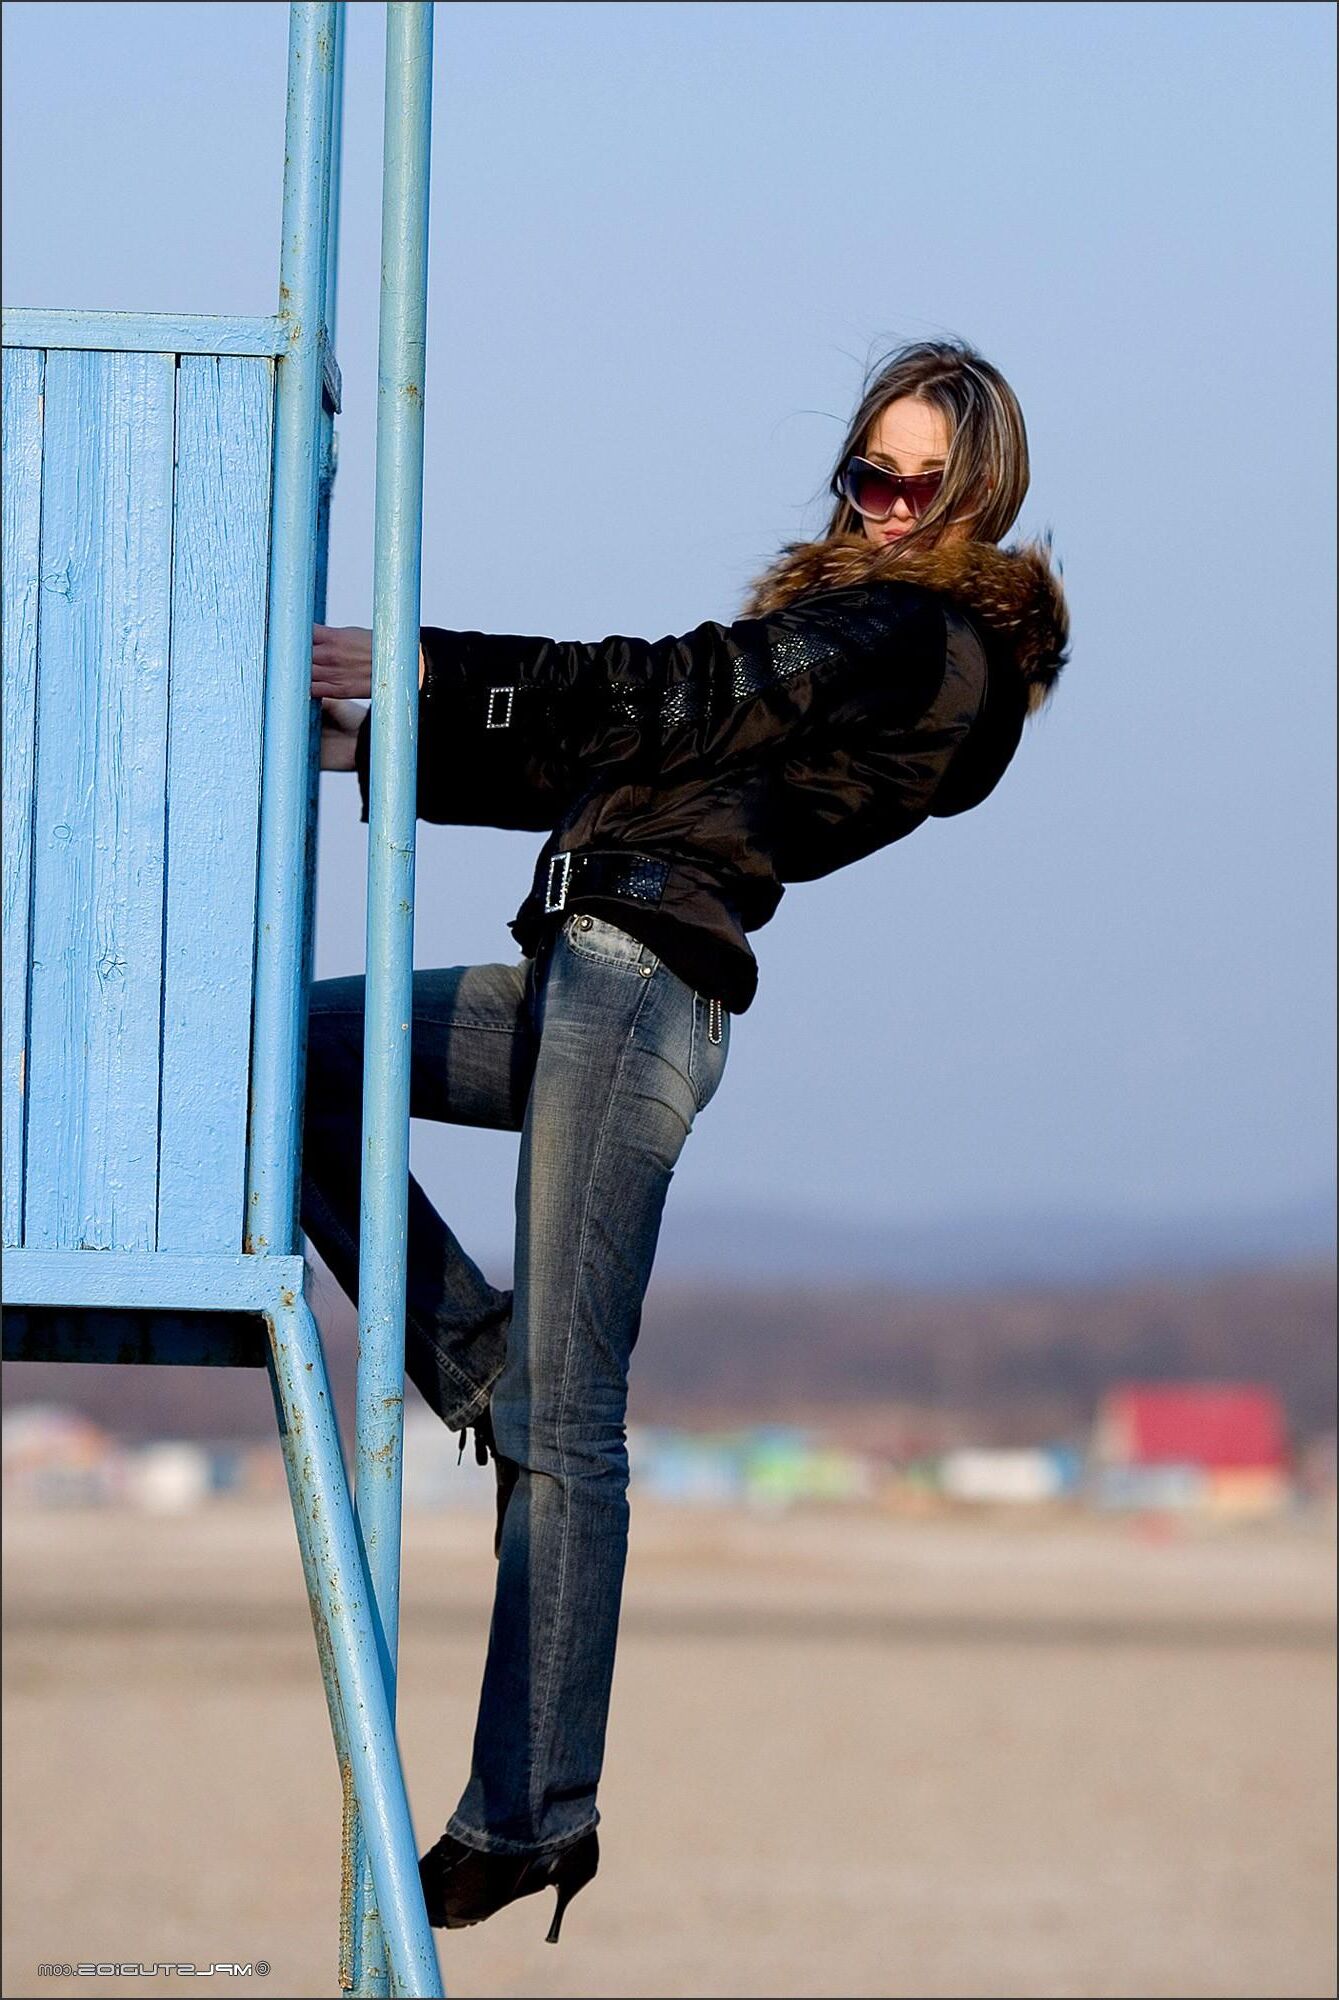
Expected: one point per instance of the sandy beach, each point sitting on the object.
(848, 1755)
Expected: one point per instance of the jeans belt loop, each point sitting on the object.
(550, 902)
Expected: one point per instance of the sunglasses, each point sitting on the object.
(873, 491)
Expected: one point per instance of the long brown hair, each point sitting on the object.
(987, 466)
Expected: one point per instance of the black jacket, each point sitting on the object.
(865, 689)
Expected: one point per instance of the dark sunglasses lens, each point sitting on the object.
(921, 492)
(872, 492)
(869, 491)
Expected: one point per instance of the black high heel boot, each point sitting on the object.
(463, 1886)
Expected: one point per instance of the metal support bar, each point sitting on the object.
(333, 192)
(280, 1004)
(344, 1611)
(347, 1639)
(325, 488)
(392, 815)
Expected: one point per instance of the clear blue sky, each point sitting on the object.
(666, 239)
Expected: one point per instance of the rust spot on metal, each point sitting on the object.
(411, 392)
(287, 1297)
(346, 1874)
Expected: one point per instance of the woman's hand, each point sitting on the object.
(341, 674)
(342, 662)
(340, 723)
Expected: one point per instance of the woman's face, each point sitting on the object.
(908, 436)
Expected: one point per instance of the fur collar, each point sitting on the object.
(1012, 594)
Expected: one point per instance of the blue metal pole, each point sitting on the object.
(281, 999)
(336, 164)
(364, 1967)
(346, 1627)
(392, 815)
(329, 441)
(353, 1856)
(328, 448)
(349, 1641)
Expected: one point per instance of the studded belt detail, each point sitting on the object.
(607, 872)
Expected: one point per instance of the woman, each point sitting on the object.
(880, 675)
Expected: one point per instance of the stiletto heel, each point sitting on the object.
(561, 1901)
(581, 1863)
(463, 1885)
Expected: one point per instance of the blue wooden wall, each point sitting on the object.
(136, 548)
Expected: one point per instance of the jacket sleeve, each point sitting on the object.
(510, 727)
(471, 776)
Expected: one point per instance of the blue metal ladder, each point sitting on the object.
(167, 483)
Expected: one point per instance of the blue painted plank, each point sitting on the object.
(220, 566)
(98, 842)
(150, 1278)
(22, 537)
(162, 333)
(144, 333)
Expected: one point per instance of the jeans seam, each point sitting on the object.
(541, 1732)
(475, 1027)
(357, 1014)
(693, 1048)
(619, 963)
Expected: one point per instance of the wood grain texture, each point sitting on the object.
(162, 333)
(97, 931)
(22, 539)
(220, 564)
(152, 1280)
(144, 333)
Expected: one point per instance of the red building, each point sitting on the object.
(1216, 1444)
(1220, 1426)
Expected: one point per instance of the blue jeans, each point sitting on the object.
(601, 1058)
